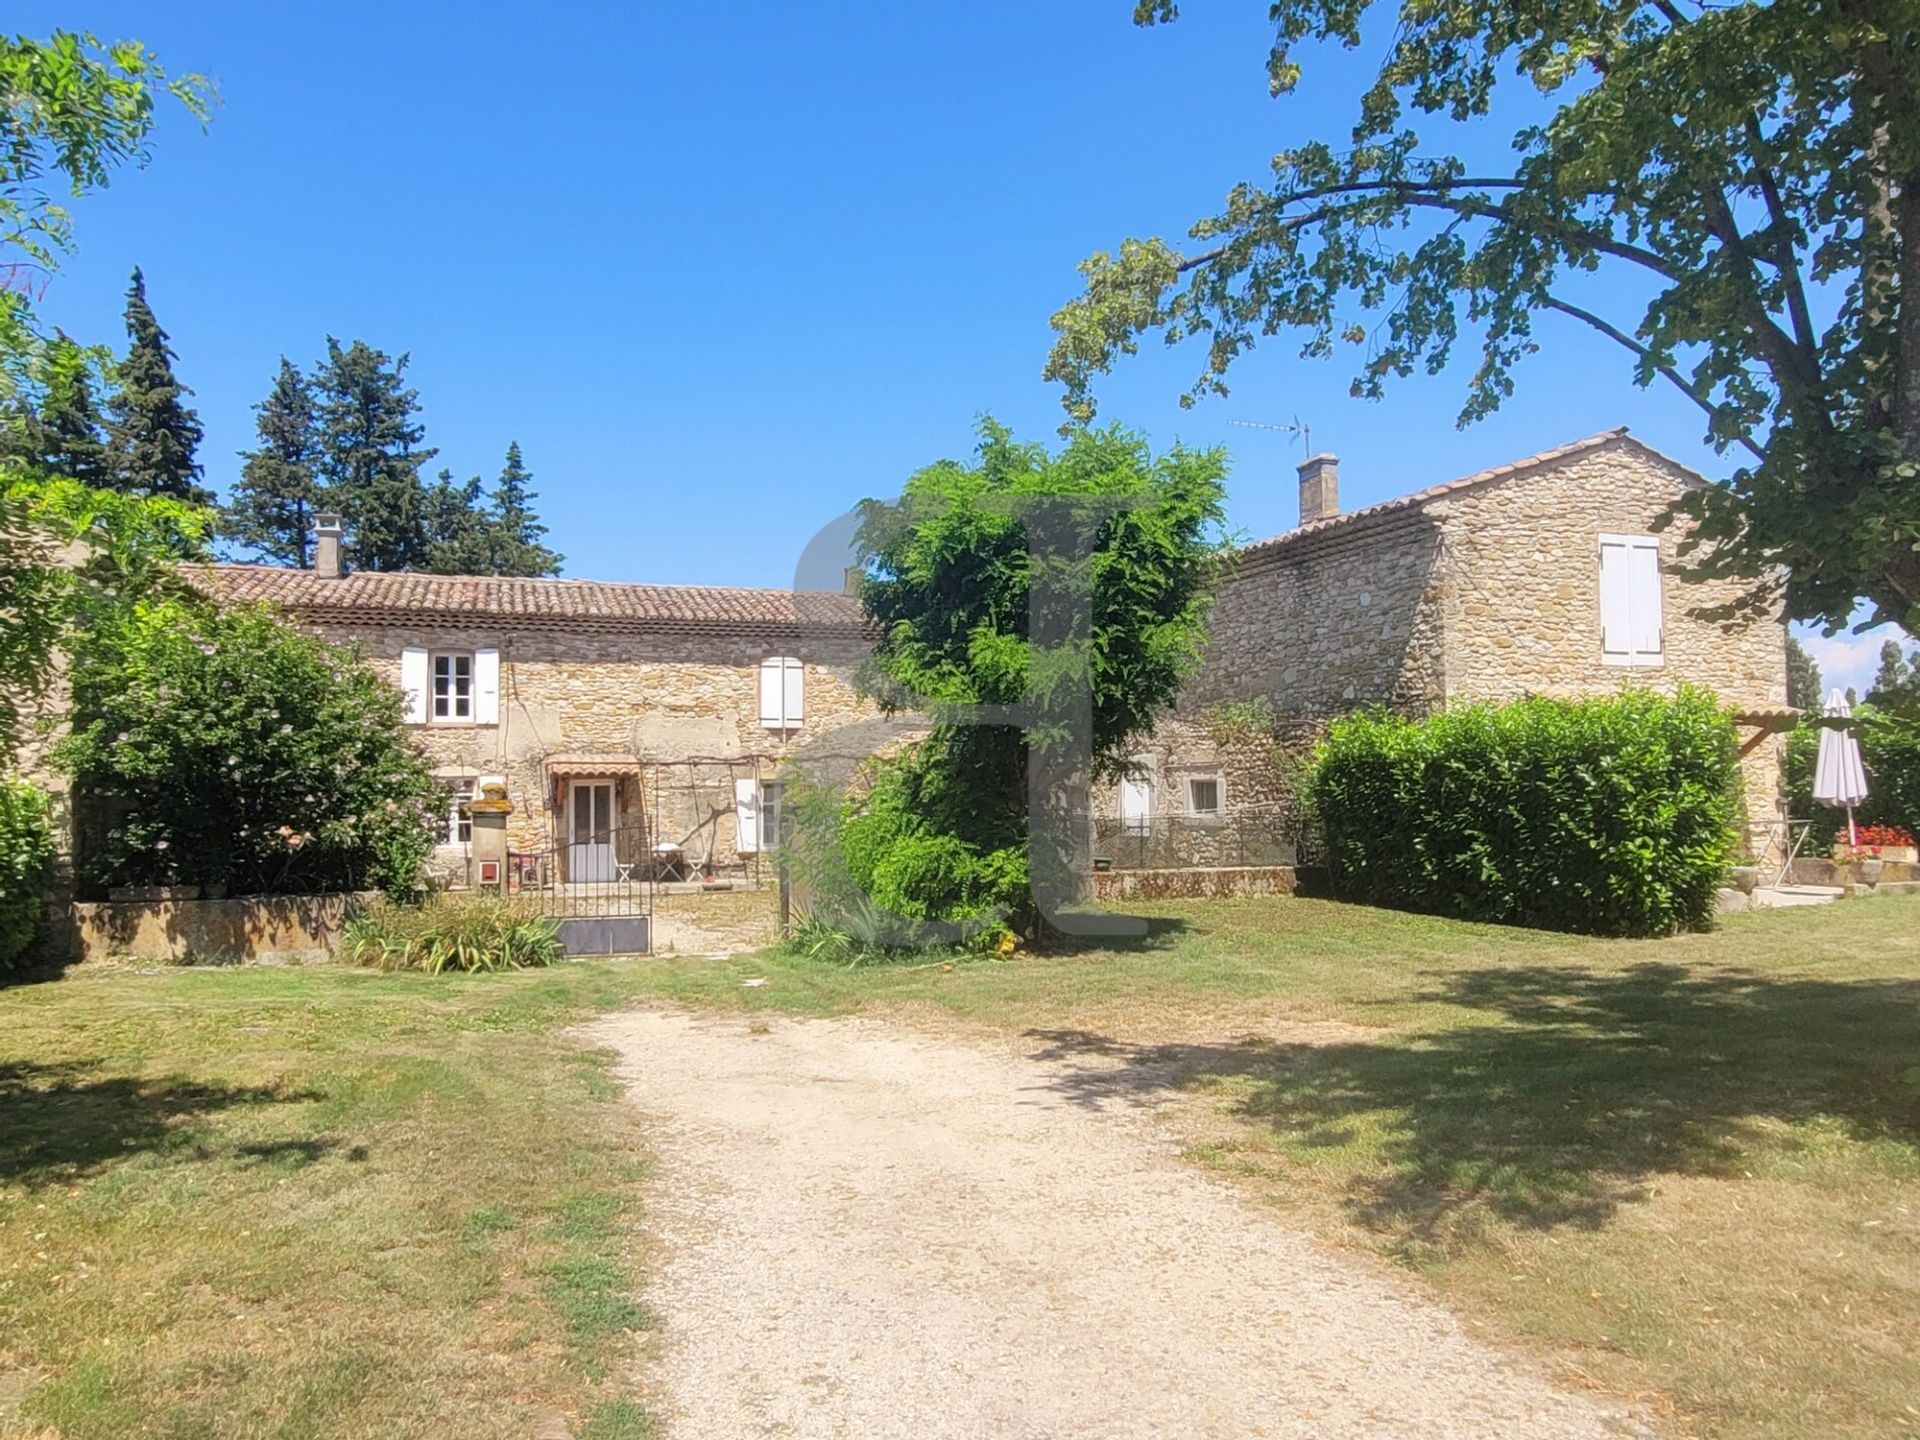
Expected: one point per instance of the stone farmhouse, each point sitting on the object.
(1544, 576)
(638, 729)
(650, 728)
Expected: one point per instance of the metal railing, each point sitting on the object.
(603, 873)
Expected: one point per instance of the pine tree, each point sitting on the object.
(367, 457)
(155, 433)
(460, 536)
(1804, 690)
(64, 435)
(272, 507)
(518, 532)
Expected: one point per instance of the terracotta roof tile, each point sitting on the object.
(368, 595)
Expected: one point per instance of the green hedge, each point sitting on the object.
(1611, 816)
(26, 854)
(1890, 748)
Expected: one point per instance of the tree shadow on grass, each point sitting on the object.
(1561, 1094)
(1105, 933)
(59, 1122)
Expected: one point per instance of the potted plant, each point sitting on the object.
(1876, 842)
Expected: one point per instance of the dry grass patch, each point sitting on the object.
(311, 1203)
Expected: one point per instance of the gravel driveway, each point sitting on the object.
(867, 1232)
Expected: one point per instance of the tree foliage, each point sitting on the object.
(58, 428)
(73, 111)
(272, 506)
(1804, 683)
(519, 539)
(1754, 164)
(1896, 683)
(957, 569)
(71, 559)
(368, 453)
(155, 433)
(225, 747)
(26, 856)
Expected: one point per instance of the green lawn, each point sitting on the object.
(325, 1203)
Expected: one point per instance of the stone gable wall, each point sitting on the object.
(1488, 594)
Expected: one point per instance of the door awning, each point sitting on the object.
(586, 765)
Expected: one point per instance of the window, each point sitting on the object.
(1136, 799)
(783, 685)
(1203, 796)
(772, 795)
(452, 687)
(758, 814)
(460, 794)
(1631, 628)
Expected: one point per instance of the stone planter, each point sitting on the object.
(1899, 854)
(1746, 878)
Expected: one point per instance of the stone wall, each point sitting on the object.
(652, 698)
(1487, 592)
(256, 929)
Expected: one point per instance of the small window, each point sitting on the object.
(460, 795)
(453, 687)
(783, 686)
(1136, 798)
(1203, 796)
(773, 794)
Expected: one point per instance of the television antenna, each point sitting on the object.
(1298, 428)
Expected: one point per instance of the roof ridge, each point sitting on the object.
(433, 575)
(1414, 499)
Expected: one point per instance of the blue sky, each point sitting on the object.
(724, 270)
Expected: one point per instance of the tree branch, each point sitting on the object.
(1613, 332)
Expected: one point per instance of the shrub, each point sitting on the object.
(481, 932)
(1890, 749)
(226, 747)
(26, 854)
(1610, 816)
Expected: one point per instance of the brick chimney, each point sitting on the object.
(326, 544)
(1319, 488)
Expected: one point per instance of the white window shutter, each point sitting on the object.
(1616, 607)
(486, 687)
(746, 816)
(794, 694)
(1644, 597)
(772, 692)
(413, 682)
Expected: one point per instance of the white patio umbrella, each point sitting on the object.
(1839, 777)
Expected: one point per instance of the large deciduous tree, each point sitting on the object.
(73, 111)
(271, 512)
(369, 453)
(1066, 594)
(155, 432)
(1755, 164)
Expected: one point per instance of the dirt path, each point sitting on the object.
(870, 1233)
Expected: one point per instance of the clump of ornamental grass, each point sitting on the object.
(467, 933)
